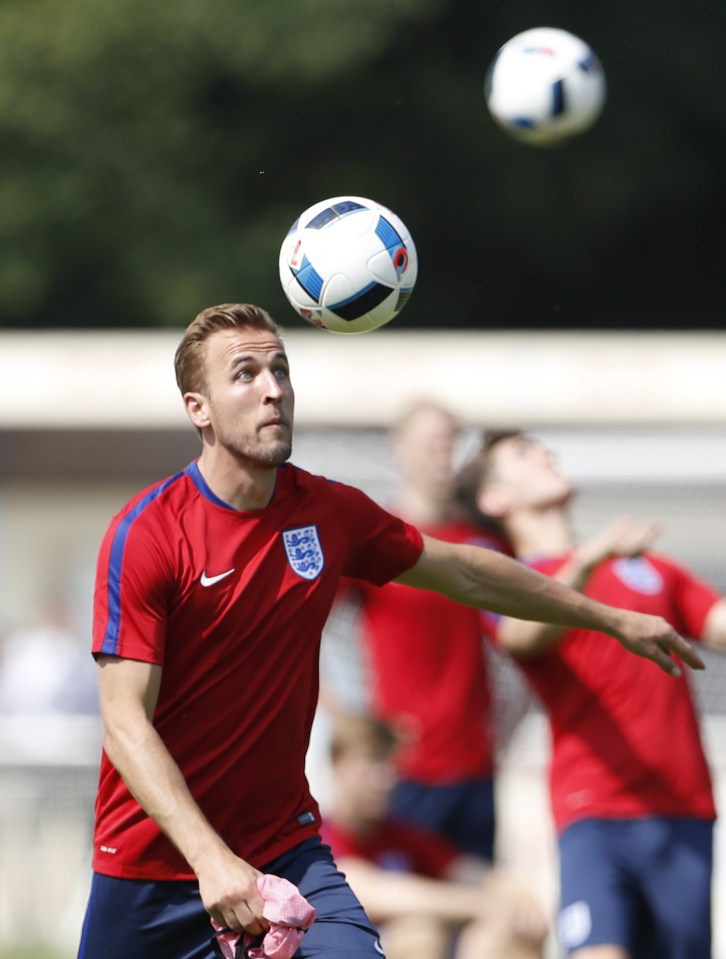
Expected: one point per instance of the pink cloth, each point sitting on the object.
(289, 914)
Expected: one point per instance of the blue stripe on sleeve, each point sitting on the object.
(113, 626)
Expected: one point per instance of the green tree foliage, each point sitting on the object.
(153, 156)
(135, 138)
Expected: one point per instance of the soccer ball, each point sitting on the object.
(348, 264)
(545, 85)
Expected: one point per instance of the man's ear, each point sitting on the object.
(492, 500)
(197, 411)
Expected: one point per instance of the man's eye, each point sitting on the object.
(244, 375)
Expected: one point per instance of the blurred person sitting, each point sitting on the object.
(429, 898)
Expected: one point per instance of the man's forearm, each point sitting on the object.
(488, 580)
(524, 638)
(156, 783)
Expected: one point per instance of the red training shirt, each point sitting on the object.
(625, 735)
(394, 846)
(231, 604)
(429, 674)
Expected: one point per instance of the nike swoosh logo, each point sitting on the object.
(211, 580)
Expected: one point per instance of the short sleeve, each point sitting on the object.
(381, 546)
(694, 597)
(130, 598)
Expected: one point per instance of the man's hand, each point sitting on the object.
(653, 638)
(623, 537)
(229, 893)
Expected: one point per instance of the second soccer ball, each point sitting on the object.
(545, 85)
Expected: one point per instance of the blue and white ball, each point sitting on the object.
(348, 264)
(545, 85)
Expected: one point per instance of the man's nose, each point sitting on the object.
(272, 385)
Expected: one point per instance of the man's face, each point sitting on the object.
(365, 776)
(248, 398)
(424, 451)
(525, 474)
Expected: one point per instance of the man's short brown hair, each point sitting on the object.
(189, 358)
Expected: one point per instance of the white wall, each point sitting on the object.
(126, 378)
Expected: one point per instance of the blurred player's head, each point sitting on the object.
(361, 754)
(423, 445)
(513, 474)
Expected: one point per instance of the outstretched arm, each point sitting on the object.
(487, 580)
(128, 692)
(624, 537)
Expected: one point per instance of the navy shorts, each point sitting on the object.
(641, 884)
(142, 919)
(462, 812)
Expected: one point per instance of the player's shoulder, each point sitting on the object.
(294, 477)
(665, 562)
(290, 476)
(166, 496)
(667, 568)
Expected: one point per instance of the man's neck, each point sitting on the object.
(244, 486)
(544, 532)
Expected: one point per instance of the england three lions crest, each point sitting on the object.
(304, 552)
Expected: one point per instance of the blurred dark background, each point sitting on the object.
(154, 155)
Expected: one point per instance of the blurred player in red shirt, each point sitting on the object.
(630, 787)
(434, 693)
